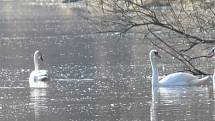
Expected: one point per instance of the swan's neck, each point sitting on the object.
(36, 64)
(154, 72)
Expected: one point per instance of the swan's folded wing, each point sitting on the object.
(178, 79)
(40, 75)
(41, 78)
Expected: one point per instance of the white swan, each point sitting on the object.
(38, 77)
(174, 79)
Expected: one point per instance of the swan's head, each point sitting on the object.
(154, 54)
(38, 55)
(212, 52)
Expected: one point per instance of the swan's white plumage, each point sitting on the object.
(39, 75)
(38, 78)
(181, 79)
(174, 79)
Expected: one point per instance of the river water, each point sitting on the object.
(93, 77)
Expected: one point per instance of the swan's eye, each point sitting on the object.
(156, 53)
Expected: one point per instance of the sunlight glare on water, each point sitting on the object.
(93, 77)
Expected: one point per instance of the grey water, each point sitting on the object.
(93, 77)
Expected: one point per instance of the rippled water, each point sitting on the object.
(93, 77)
(103, 99)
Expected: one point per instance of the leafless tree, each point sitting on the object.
(177, 27)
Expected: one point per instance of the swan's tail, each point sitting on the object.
(204, 80)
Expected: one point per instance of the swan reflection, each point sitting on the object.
(171, 100)
(154, 104)
(38, 98)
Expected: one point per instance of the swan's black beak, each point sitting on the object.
(41, 58)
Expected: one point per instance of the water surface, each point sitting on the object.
(93, 77)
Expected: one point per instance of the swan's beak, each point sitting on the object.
(41, 58)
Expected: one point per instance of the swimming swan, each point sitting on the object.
(174, 79)
(38, 77)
